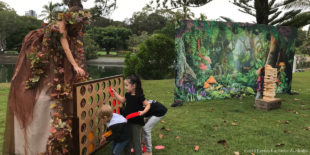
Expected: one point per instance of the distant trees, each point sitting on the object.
(110, 37)
(148, 22)
(24, 24)
(303, 42)
(13, 28)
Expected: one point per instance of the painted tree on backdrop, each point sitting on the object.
(283, 13)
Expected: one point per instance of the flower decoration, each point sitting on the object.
(203, 66)
(74, 17)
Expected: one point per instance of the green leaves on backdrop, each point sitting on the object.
(229, 53)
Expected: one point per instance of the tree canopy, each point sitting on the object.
(110, 37)
(270, 12)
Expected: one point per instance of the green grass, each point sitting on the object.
(112, 53)
(204, 123)
(11, 52)
(4, 91)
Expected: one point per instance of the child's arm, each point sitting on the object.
(146, 109)
(119, 97)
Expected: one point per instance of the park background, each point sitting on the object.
(219, 126)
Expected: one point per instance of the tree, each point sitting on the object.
(176, 4)
(110, 37)
(8, 24)
(49, 11)
(168, 30)
(304, 48)
(143, 21)
(134, 40)
(90, 47)
(101, 8)
(23, 25)
(269, 12)
(154, 60)
(301, 19)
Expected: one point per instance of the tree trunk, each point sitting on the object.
(262, 11)
(272, 53)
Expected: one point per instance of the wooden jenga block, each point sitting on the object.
(268, 104)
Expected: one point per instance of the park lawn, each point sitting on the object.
(11, 52)
(4, 91)
(112, 53)
(103, 53)
(233, 122)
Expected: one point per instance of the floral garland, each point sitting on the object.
(38, 62)
(73, 17)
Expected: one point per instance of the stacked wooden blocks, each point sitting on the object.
(269, 102)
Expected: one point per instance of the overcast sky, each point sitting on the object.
(125, 8)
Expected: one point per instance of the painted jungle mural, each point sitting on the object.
(220, 60)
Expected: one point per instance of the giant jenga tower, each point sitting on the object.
(269, 102)
(270, 83)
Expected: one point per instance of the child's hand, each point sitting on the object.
(141, 113)
(103, 140)
(114, 91)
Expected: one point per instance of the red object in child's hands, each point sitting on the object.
(132, 115)
(111, 91)
(143, 148)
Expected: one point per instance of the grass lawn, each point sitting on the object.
(11, 52)
(225, 126)
(103, 53)
(112, 53)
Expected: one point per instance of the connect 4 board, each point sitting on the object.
(88, 97)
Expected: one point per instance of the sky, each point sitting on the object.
(126, 8)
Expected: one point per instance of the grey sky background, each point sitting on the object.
(126, 8)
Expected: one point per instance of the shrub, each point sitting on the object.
(154, 60)
(90, 47)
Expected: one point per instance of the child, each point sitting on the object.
(260, 83)
(135, 101)
(118, 124)
(153, 116)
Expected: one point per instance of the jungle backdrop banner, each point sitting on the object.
(220, 60)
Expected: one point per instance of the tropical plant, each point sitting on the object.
(49, 11)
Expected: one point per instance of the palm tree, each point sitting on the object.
(50, 11)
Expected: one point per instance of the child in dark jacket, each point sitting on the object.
(118, 124)
(152, 117)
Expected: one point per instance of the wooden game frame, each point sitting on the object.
(87, 98)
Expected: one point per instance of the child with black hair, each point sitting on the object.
(135, 101)
(259, 86)
(118, 124)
